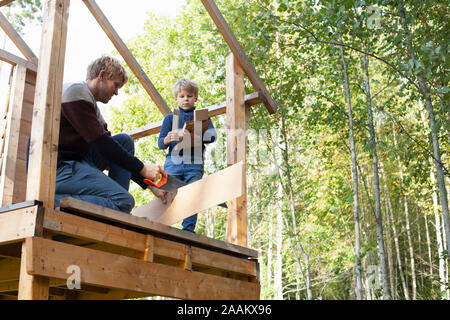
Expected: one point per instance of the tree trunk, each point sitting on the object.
(376, 183)
(396, 241)
(434, 136)
(439, 238)
(279, 241)
(358, 269)
(408, 229)
(269, 253)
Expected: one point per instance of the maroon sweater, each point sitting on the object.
(82, 127)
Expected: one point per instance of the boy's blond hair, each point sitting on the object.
(185, 84)
(113, 69)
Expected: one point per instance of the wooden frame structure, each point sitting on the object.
(84, 251)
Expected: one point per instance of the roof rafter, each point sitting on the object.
(239, 53)
(127, 56)
(17, 39)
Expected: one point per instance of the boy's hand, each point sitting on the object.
(173, 136)
(161, 194)
(151, 171)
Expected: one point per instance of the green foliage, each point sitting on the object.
(294, 46)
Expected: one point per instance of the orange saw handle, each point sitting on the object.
(162, 180)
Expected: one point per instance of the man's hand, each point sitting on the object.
(161, 194)
(173, 136)
(151, 171)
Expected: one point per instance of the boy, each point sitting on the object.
(187, 167)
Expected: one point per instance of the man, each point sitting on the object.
(86, 147)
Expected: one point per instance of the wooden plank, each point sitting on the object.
(175, 119)
(237, 127)
(17, 40)
(68, 224)
(19, 224)
(195, 197)
(113, 271)
(10, 153)
(9, 270)
(15, 60)
(214, 110)
(205, 258)
(127, 56)
(146, 225)
(201, 114)
(47, 104)
(31, 287)
(152, 128)
(239, 53)
(5, 2)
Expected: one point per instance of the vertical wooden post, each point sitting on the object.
(237, 126)
(45, 130)
(11, 140)
(47, 104)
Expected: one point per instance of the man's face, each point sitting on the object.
(185, 99)
(108, 88)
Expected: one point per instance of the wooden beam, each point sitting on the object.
(9, 270)
(11, 150)
(78, 227)
(114, 271)
(195, 197)
(148, 226)
(20, 224)
(15, 60)
(214, 110)
(239, 53)
(237, 127)
(127, 56)
(17, 40)
(47, 104)
(31, 287)
(5, 2)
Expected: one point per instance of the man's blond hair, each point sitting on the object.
(113, 69)
(185, 84)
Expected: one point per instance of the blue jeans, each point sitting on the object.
(188, 173)
(86, 181)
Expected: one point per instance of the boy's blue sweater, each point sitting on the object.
(185, 115)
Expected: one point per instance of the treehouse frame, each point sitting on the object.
(44, 251)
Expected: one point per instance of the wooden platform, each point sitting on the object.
(119, 256)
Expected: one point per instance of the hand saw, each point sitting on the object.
(170, 184)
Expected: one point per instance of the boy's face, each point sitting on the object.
(186, 99)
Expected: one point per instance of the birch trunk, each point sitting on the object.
(408, 229)
(376, 185)
(358, 284)
(279, 241)
(396, 241)
(439, 238)
(425, 90)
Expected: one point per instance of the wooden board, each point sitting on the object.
(153, 227)
(127, 56)
(237, 127)
(193, 198)
(47, 104)
(11, 150)
(114, 271)
(20, 224)
(15, 60)
(144, 246)
(17, 40)
(192, 134)
(214, 110)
